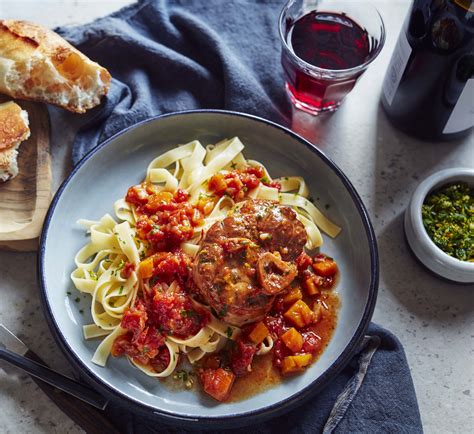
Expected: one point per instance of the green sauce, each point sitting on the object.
(448, 217)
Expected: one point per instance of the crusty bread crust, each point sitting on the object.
(13, 130)
(37, 64)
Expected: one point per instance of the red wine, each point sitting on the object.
(328, 41)
(429, 87)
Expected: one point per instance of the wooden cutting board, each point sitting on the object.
(24, 200)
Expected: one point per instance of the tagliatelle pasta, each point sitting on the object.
(112, 267)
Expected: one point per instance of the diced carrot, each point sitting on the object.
(217, 383)
(326, 268)
(146, 268)
(303, 360)
(159, 199)
(299, 314)
(217, 183)
(150, 188)
(294, 364)
(205, 205)
(293, 340)
(259, 333)
(311, 286)
(293, 295)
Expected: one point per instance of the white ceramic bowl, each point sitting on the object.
(105, 174)
(422, 245)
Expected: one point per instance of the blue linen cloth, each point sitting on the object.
(171, 55)
(167, 56)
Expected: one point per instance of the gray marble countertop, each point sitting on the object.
(432, 318)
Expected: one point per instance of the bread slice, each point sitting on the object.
(13, 130)
(37, 64)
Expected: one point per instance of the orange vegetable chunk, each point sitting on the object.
(326, 268)
(311, 286)
(217, 183)
(217, 383)
(299, 314)
(146, 268)
(294, 364)
(293, 295)
(159, 199)
(293, 340)
(205, 205)
(259, 333)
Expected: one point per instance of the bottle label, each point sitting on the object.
(397, 66)
(462, 116)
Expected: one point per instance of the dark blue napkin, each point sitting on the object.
(167, 56)
(187, 54)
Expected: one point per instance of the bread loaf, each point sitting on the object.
(37, 64)
(13, 130)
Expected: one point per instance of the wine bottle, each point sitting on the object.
(428, 89)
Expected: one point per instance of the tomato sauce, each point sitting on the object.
(300, 322)
(236, 183)
(160, 311)
(164, 219)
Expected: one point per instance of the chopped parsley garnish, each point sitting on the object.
(448, 217)
(153, 280)
(187, 313)
(68, 292)
(185, 377)
(121, 264)
(228, 332)
(223, 311)
(155, 230)
(121, 290)
(93, 275)
(265, 180)
(327, 206)
(77, 299)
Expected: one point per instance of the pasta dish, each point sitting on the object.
(209, 263)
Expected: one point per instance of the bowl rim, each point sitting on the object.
(248, 417)
(419, 240)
